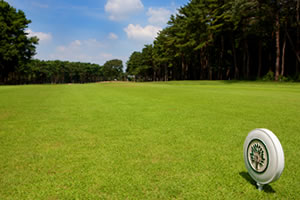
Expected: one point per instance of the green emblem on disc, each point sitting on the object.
(258, 156)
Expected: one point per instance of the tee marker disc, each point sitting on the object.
(263, 156)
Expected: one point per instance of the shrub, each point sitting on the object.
(269, 76)
(285, 79)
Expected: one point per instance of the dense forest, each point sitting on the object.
(224, 39)
(204, 40)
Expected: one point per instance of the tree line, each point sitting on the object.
(54, 72)
(224, 39)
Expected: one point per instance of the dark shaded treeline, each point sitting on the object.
(54, 72)
(224, 39)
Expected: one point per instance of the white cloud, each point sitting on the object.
(137, 32)
(113, 36)
(120, 9)
(43, 37)
(83, 51)
(80, 45)
(158, 16)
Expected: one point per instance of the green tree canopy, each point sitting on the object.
(228, 39)
(113, 69)
(16, 48)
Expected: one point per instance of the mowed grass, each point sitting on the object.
(175, 140)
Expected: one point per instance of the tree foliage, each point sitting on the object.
(16, 48)
(56, 71)
(112, 70)
(228, 39)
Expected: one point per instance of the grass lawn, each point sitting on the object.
(174, 140)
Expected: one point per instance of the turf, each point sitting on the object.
(174, 140)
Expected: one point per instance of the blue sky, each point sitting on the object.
(94, 30)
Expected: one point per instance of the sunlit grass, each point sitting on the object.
(174, 140)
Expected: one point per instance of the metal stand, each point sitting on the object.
(259, 186)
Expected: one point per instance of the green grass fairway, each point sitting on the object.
(174, 140)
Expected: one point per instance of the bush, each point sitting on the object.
(269, 76)
(285, 79)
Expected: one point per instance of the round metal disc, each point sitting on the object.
(263, 156)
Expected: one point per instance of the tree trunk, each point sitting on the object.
(248, 61)
(259, 58)
(283, 55)
(293, 48)
(154, 74)
(228, 73)
(166, 72)
(202, 67)
(236, 69)
(244, 60)
(209, 68)
(182, 67)
(298, 39)
(186, 71)
(158, 73)
(259, 42)
(277, 33)
(220, 72)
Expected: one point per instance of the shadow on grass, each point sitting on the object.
(247, 177)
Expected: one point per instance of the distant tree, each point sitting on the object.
(163, 54)
(141, 64)
(134, 63)
(16, 48)
(113, 69)
(148, 64)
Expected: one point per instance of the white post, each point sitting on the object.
(259, 186)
